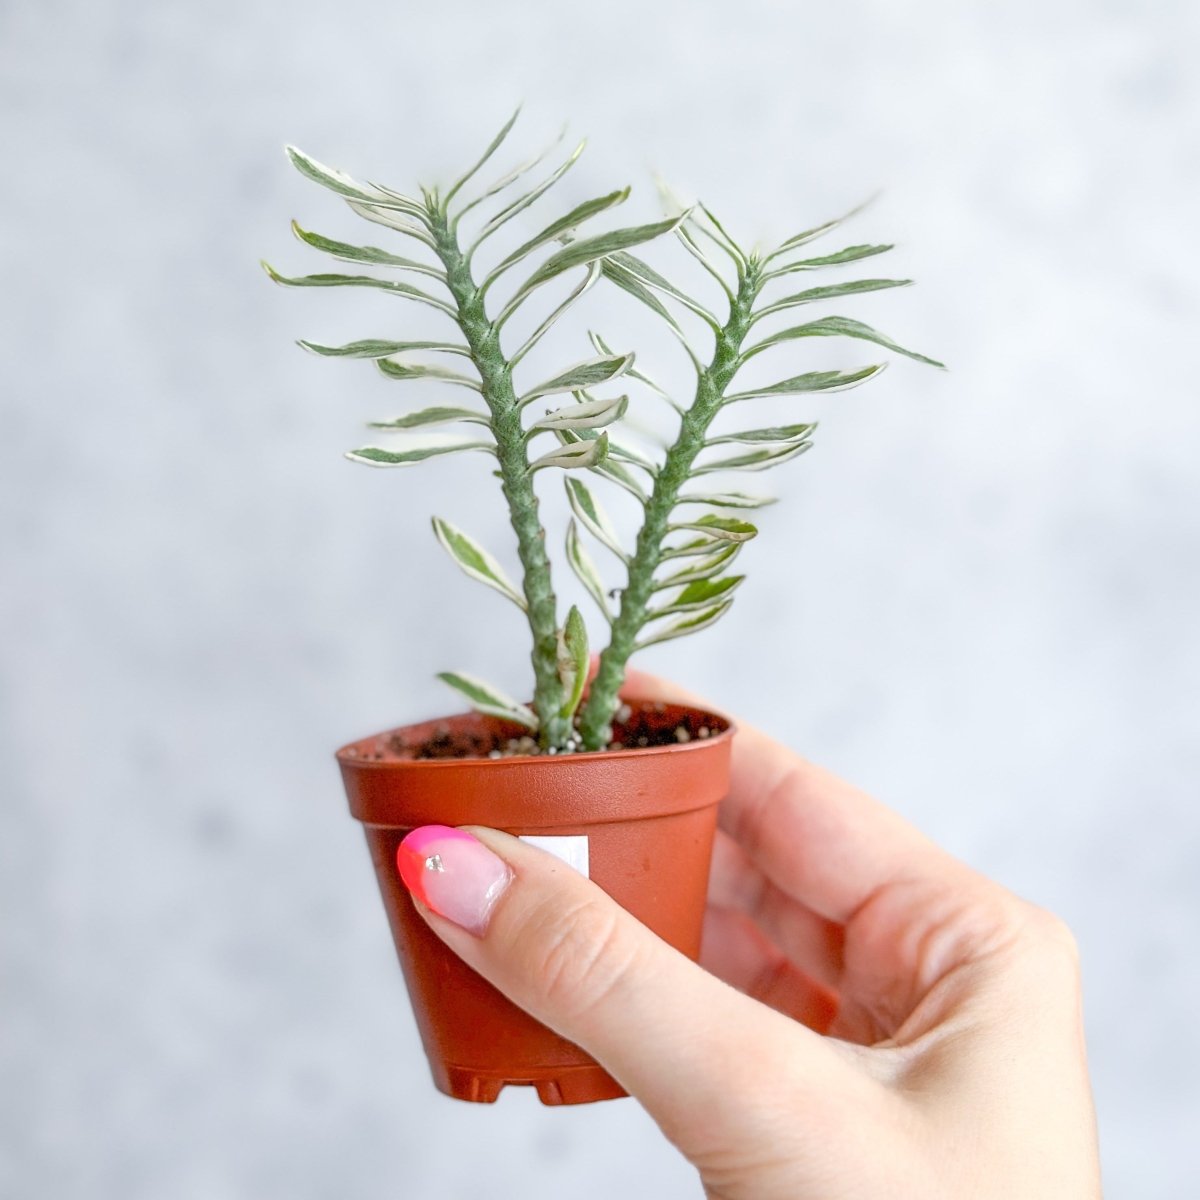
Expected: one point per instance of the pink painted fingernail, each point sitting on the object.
(454, 874)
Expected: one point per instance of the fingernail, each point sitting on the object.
(454, 874)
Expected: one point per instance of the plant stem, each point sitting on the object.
(495, 372)
(595, 723)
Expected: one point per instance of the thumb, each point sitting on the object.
(700, 1056)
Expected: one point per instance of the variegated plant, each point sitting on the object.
(676, 577)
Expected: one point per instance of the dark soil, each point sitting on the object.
(639, 725)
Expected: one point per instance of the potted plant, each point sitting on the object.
(610, 785)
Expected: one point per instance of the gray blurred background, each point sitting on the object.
(979, 598)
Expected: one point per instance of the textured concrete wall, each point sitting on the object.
(979, 598)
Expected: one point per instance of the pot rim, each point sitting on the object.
(344, 755)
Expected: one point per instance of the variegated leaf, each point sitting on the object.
(604, 348)
(591, 414)
(584, 251)
(476, 561)
(556, 229)
(703, 567)
(775, 433)
(432, 416)
(350, 188)
(817, 231)
(585, 374)
(574, 456)
(627, 281)
(724, 529)
(836, 327)
(391, 219)
(521, 203)
(377, 348)
(489, 700)
(649, 276)
(572, 660)
(511, 177)
(726, 500)
(392, 286)
(850, 254)
(407, 371)
(700, 594)
(585, 570)
(755, 460)
(364, 254)
(688, 624)
(829, 292)
(584, 285)
(585, 506)
(377, 456)
(811, 381)
(617, 472)
(493, 146)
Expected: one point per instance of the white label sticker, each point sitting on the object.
(572, 850)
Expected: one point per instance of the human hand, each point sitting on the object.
(897, 1026)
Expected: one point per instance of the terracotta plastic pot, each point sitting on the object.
(647, 817)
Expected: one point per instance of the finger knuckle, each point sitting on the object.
(584, 958)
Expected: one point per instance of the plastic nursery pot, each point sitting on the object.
(638, 821)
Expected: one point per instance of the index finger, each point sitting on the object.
(816, 837)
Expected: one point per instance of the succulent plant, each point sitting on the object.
(676, 578)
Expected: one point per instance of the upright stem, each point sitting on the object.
(483, 339)
(595, 724)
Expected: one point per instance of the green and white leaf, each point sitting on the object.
(721, 238)
(836, 327)
(633, 372)
(703, 567)
(648, 275)
(686, 625)
(378, 348)
(829, 292)
(585, 374)
(724, 529)
(580, 253)
(585, 506)
(775, 433)
(615, 449)
(555, 230)
(511, 177)
(817, 231)
(755, 460)
(350, 188)
(574, 456)
(521, 203)
(391, 219)
(408, 371)
(627, 281)
(585, 569)
(591, 414)
(368, 281)
(489, 700)
(700, 594)
(432, 416)
(572, 660)
(849, 255)
(610, 467)
(476, 561)
(726, 500)
(584, 285)
(364, 254)
(379, 456)
(811, 381)
(493, 146)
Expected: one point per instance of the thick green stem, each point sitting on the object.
(595, 723)
(495, 372)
